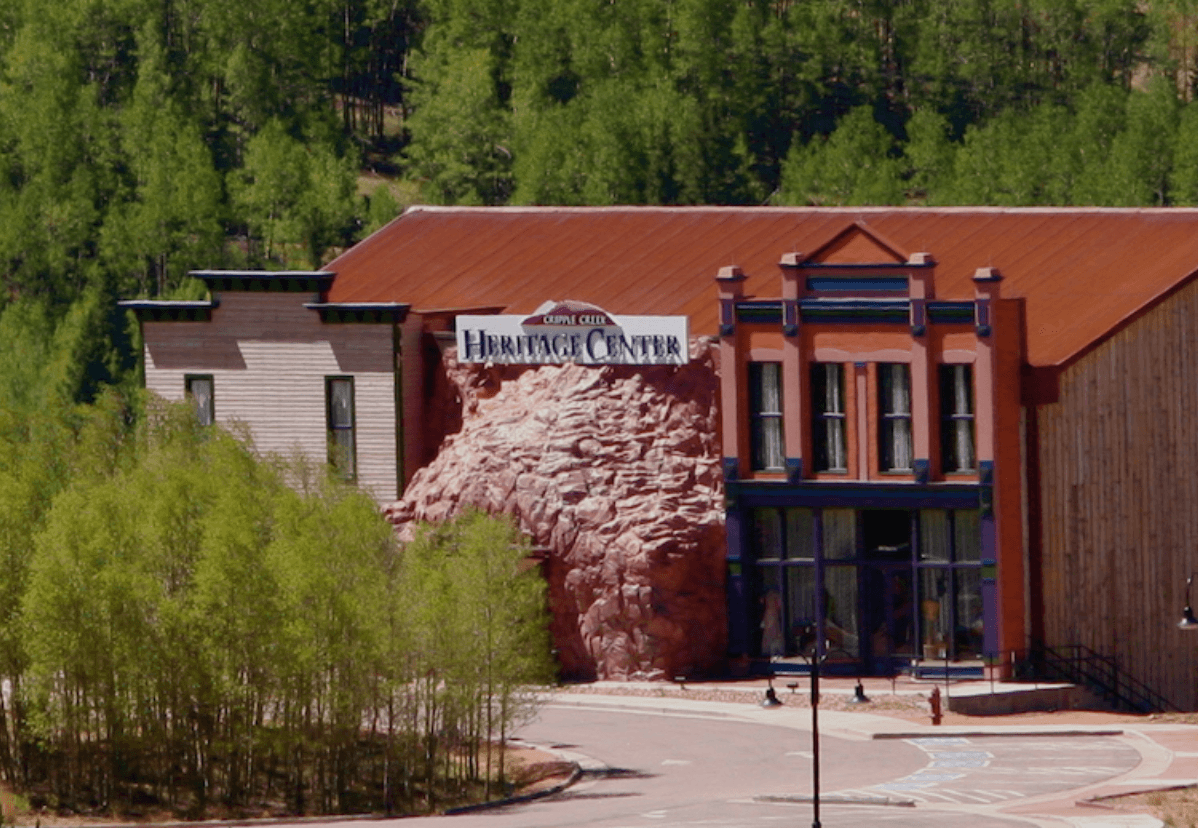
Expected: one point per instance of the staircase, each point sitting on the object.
(1100, 674)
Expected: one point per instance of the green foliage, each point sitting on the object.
(178, 613)
(855, 165)
(463, 151)
(294, 192)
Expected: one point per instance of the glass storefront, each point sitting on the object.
(895, 584)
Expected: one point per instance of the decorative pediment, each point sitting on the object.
(857, 244)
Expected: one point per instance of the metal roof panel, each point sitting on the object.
(1083, 272)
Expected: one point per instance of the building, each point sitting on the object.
(952, 433)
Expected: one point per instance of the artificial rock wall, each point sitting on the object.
(614, 472)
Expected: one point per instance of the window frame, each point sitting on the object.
(825, 421)
(762, 421)
(334, 429)
(950, 419)
(207, 415)
(889, 419)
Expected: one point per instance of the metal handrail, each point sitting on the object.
(1078, 664)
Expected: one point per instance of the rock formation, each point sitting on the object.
(614, 472)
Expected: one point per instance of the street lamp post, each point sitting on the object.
(815, 659)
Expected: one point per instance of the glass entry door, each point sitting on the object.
(887, 616)
(886, 605)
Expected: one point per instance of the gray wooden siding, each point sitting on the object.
(268, 357)
(1118, 459)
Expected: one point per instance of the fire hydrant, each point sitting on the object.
(934, 701)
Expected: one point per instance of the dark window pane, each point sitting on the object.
(933, 535)
(828, 424)
(840, 533)
(341, 403)
(765, 415)
(967, 535)
(957, 451)
(339, 393)
(840, 586)
(767, 534)
(800, 534)
(935, 611)
(199, 389)
(894, 405)
(969, 622)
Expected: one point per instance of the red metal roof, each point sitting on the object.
(1082, 271)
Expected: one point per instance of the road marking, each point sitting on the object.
(805, 754)
(975, 795)
(676, 762)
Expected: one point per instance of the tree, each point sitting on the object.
(294, 194)
(480, 630)
(170, 220)
(460, 139)
(854, 165)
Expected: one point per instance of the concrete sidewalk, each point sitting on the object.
(899, 710)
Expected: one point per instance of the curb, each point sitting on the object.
(979, 734)
(576, 762)
(835, 799)
(575, 774)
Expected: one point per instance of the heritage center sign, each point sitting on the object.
(560, 332)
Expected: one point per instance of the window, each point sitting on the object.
(956, 419)
(783, 546)
(339, 400)
(894, 420)
(765, 395)
(827, 409)
(199, 392)
(950, 587)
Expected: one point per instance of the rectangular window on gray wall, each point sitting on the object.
(765, 415)
(956, 419)
(828, 417)
(199, 389)
(339, 403)
(894, 420)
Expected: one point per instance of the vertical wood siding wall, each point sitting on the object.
(269, 357)
(1118, 459)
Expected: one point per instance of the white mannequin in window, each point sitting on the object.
(773, 644)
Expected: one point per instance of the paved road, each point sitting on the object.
(706, 770)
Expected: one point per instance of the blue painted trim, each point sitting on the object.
(736, 585)
(794, 469)
(727, 317)
(750, 493)
(986, 484)
(950, 313)
(761, 313)
(731, 468)
(860, 284)
(922, 470)
(982, 312)
(790, 317)
(849, 310)
(989, 585)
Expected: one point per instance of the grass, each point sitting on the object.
(1176, 807)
